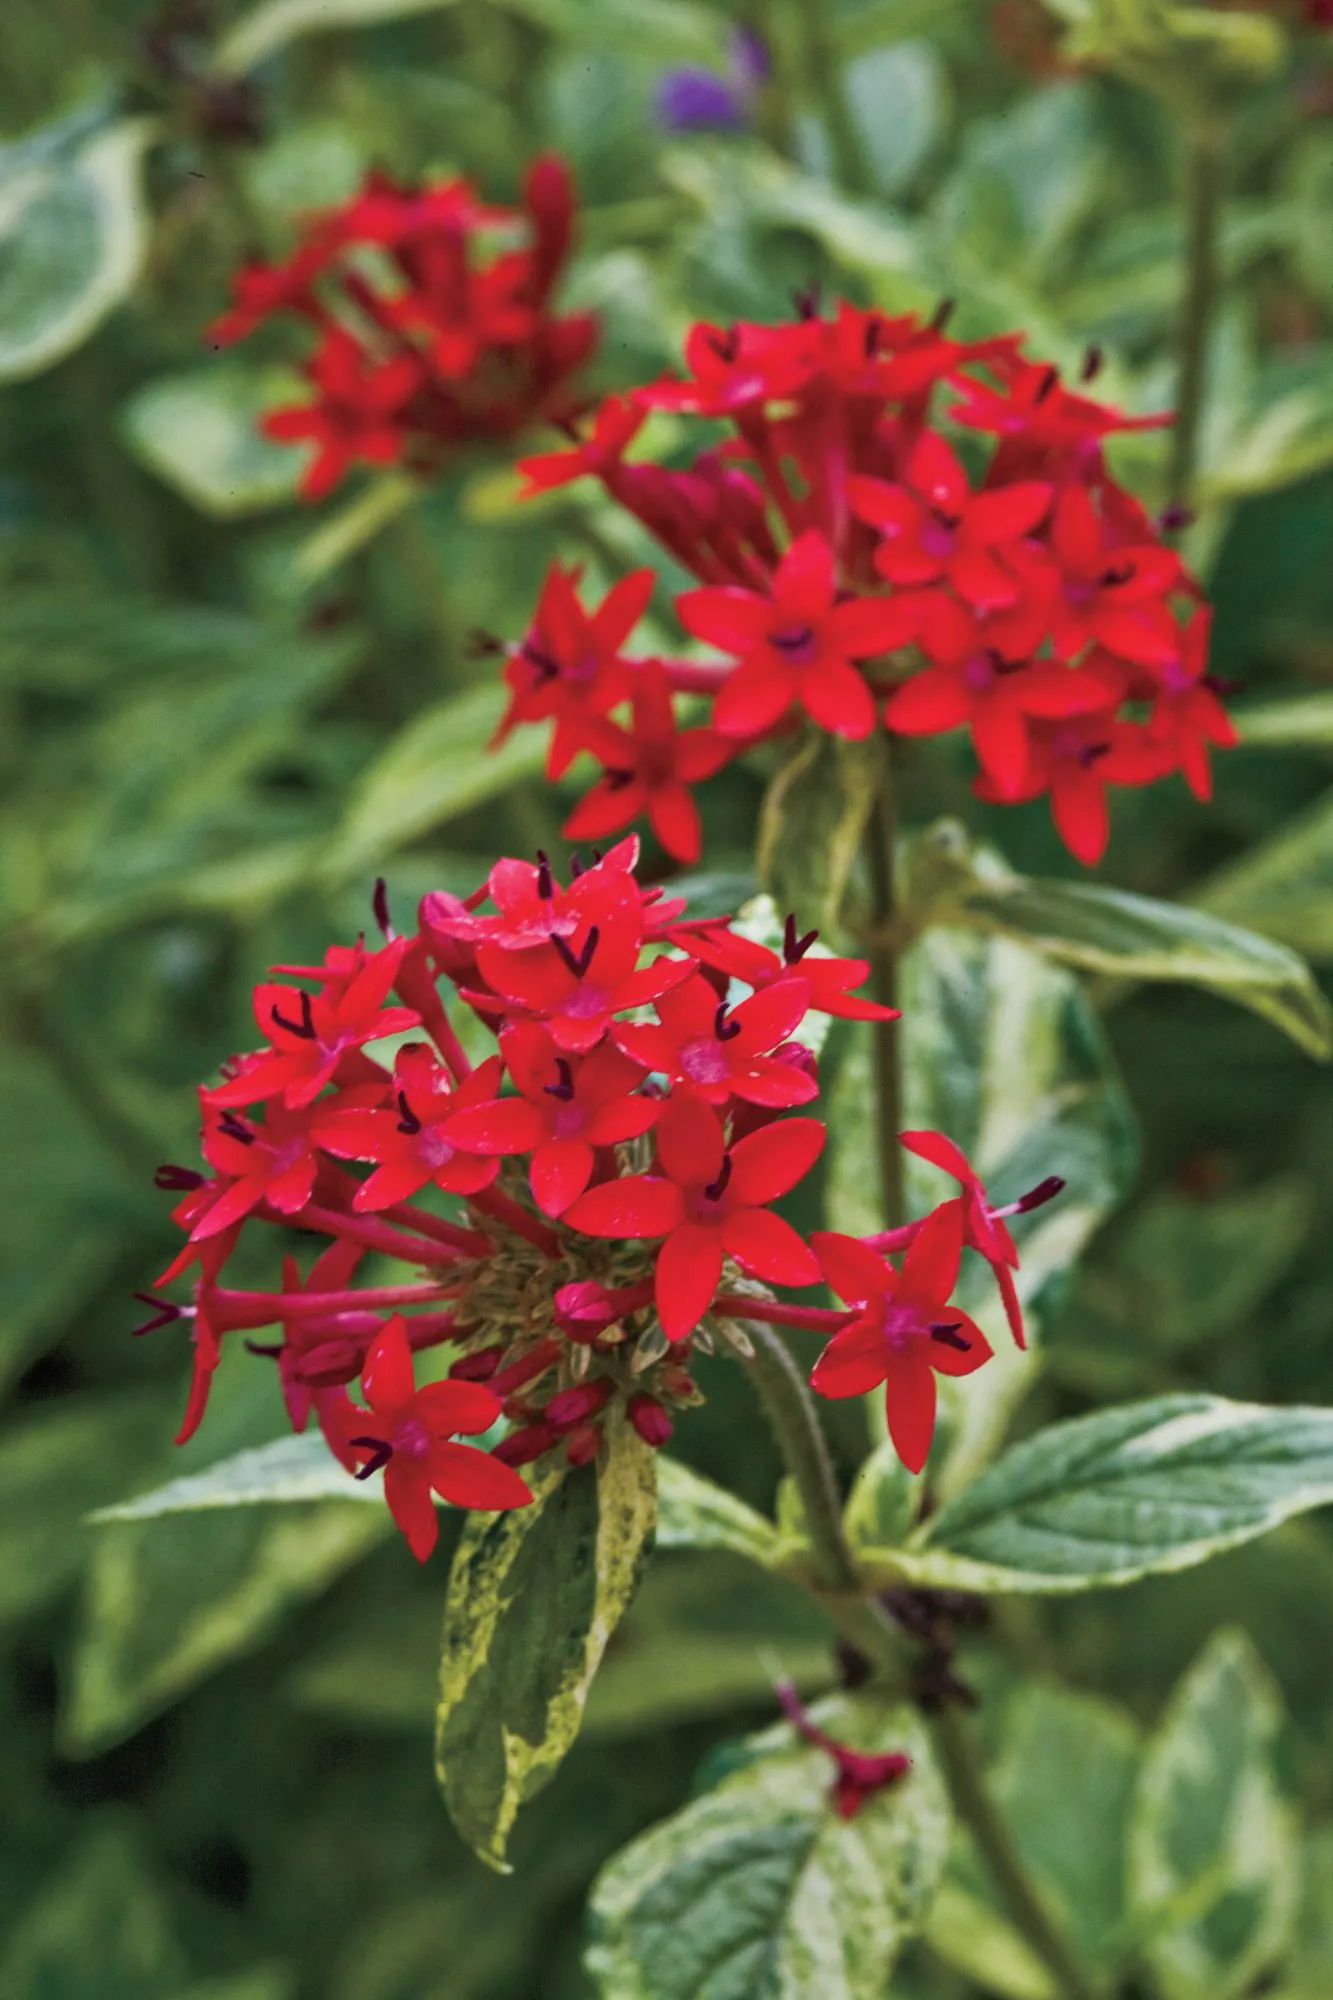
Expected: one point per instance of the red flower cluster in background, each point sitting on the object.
(898, 528)
(616, 1158)
(434, 322)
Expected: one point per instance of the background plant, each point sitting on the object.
(226, 718)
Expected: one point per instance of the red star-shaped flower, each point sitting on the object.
(796, 643)
(408, 1431)
(905, 1330)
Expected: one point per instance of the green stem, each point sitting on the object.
(863, 1622)
(35, 1022)
(974, 1806)
(1202, 192)
(421, 571)
(823, 73)
(791, 1412)
(880, 846)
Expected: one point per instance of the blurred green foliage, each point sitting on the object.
(216, 1783)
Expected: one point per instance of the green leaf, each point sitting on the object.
(882, 1503)
(101, 1929)
(693, 1513)
(534, 1595)
(274, 23)
(291, 1469)
(1301, 722)
(1187, 1271)
(1288, 439)
(814, 817)
(1207, 1810)
(54, 1465)
(969, 1934)
(899, 100)
(436, 768)
(1284, 885)
(1002, 1052)
(200, 433)
(71, 240)
(1136, 1491)
(661, 30)
(170, 1601)
(1136, 937)
(759, 1891)
(63, 1207)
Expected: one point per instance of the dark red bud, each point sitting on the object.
(522, 1446)
(479, 1367)
(583, 1445)
(650, 1420)
(572, 1407)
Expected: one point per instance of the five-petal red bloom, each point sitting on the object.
(583, 1209)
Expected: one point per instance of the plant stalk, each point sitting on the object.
(974, 1806)
(1202, 195)
(880, 848)
(823, 72)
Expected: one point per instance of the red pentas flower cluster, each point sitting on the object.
(896, 528)
(433, 319)
(614, 1162)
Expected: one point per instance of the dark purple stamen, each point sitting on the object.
(1222, 684)
(164, 1313)
(949, 521)
(236, 1128)
(177, 1180)
(575, 865)
(578, 964)
(794, 948)
(564, 1090)
(409, 1122)
(383, 1453)
(615, 780)
(949, 1336)
(1174, 517)
(806, 301)
(1043, 1192)
(942, 314)
(1092, 364)
(545, 880)
(267, 1348)
(1118, 573)
(716, 1189)
(999, 664)
(379, 903)
(725, 1030)
(725, 346)
(870, 340)
(305, 1028)
(792, 642)
(547, 668)
(1047, 383)
(1090, 753)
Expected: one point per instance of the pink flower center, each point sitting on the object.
(939, 538)
(798, 644)
(412, 1440)
(585, 1003)
(433, 1149)
(569, 1121)
(979, 672)
(705, 1061)
(901, 1324)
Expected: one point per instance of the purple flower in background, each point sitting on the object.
(692, 99)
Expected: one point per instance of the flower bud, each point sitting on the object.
(478, 1367)
(650, 1420)
(572, 1407)
(522, 1446)
(583, 1445)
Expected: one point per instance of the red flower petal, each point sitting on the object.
(466, 1477)
(689, 1266)
(407, 1490)
(732, 620)
(387, 1378)
(560, 1171)
(909, 1401)
(855, 1271)
(640, 1206)
(770, 1162)
(769, 1247)
(930, 1268)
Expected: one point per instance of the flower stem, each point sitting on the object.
(1202, 192)
(823, 71)
(880, 846)
(791, 1412)
(862, 1620)
(974, 1806)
